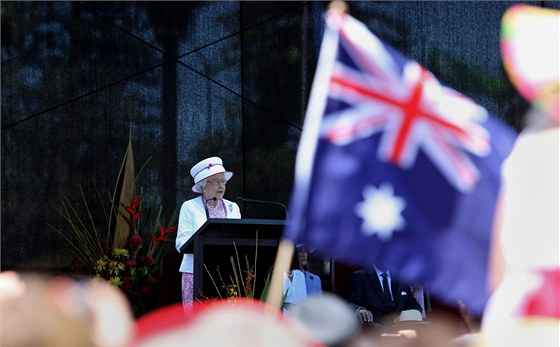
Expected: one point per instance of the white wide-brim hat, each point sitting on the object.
(206, 168)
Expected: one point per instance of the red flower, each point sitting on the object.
(130, 263)
(130, 209)
(136, 202)
(136, 216)
(134, 242)
(148, 260)
(164, 231)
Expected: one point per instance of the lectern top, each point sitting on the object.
(234, 229)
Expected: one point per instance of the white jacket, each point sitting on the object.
(191, 217)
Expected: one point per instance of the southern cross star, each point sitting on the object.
(381, 211)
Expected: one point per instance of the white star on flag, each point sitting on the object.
(381, 211)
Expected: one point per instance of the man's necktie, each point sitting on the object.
(386, 290)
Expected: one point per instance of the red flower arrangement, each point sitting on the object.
(129, 255)
(135, 268)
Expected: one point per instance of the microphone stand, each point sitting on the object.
(266, 202)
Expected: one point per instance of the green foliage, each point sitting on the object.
(242, 282)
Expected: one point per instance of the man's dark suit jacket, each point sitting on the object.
(364, 290)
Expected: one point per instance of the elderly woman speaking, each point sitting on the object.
(210, 178)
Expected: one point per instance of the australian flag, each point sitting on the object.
(396, 169)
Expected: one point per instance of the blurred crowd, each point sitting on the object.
(53, 311)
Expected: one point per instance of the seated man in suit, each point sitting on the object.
(374, 304)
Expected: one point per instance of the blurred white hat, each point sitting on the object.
(530, 42)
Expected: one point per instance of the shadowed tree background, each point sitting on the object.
(190, 80)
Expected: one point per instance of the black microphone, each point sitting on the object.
(265, 202)
(206, 207)
(211, 199)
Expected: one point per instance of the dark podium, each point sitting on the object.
(213, 248)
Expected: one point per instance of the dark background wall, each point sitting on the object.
(188, 80)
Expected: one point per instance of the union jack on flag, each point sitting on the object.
(410, 108)
(396, 169)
